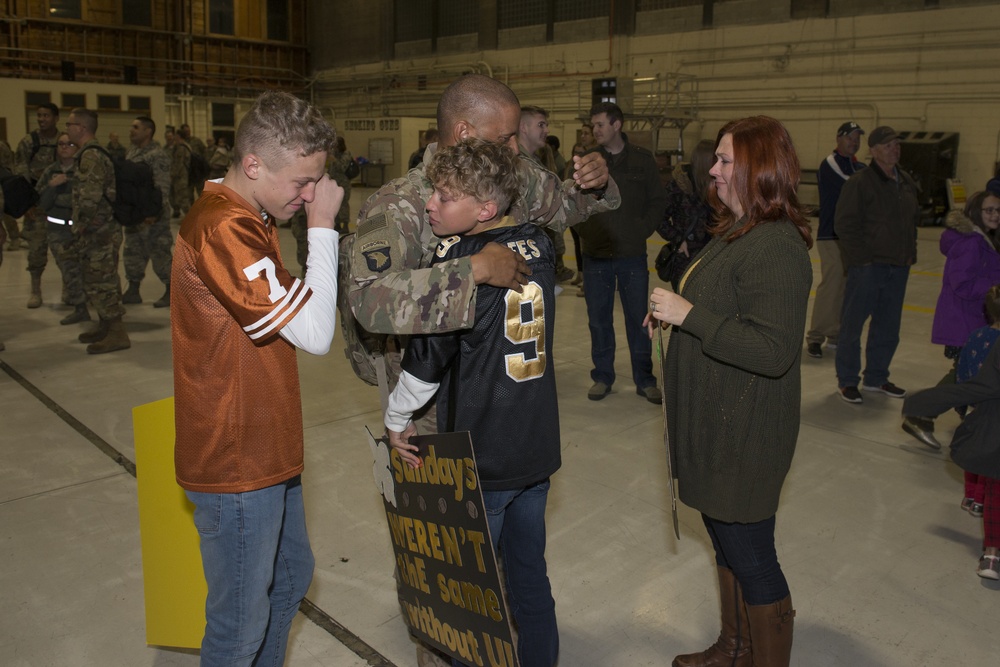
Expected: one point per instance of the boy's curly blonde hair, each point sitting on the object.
(479, 169)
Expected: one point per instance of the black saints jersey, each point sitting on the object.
(497, 379)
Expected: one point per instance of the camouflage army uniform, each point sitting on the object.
(116, 150)
(145, 242)
(35, 225)
(98, 234)
(197, 146)
(338, 168)
(180, 186)
(57, 202)
(13, 233)
(393, 287)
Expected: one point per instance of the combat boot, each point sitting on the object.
(163, 301)
(35, 300)
(132, 295)
(95, 334)
(117, 339)
(79, 314)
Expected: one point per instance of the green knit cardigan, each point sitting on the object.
(732, 377)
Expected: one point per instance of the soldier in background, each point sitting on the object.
(55, 187)
(98, 234)
(7, 161)
(219, 160)
(151, 239)
(180, 166)
(197, 146)
(342, 160)
(115, 147)
(36, 152)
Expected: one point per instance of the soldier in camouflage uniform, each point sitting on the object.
(98, 234)
(56, 199)
(36, 152)
(115, 148)
(393, 287)
(151, 239)
(197, 146)
(180, 165)
(7, 161)
(342, 159)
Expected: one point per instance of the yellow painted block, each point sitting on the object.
(172, 575)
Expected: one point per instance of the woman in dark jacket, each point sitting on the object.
(732, 382)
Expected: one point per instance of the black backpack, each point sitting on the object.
(137, 196)
(198, 168)
(18, 193)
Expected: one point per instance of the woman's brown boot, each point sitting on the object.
(732, 648)
(771, 632)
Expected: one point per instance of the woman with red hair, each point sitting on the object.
(732, 382)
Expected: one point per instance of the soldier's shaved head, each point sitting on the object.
(475, 100)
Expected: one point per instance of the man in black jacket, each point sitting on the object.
(876, 222)
(614, 254)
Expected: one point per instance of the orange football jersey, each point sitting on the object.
(238, 411)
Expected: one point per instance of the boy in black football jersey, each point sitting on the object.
(496, 380)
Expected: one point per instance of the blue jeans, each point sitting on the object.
(517, 530)
(875, 291)
(632, 277)
(258, 565)
(748, 550)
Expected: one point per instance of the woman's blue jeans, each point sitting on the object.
(258, 564)
(748, 550)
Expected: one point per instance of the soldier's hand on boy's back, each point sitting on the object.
(499, 266)
(327, 198)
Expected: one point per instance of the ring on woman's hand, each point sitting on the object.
(652, 306)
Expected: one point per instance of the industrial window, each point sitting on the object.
(139, 103)
(457, 17)
(414, 20)
(521, 13)
(33, 99)
(805, 9)
(573, 10)
(65, 9)
(109, 102)
(277, 20)
(649, 5)
(223, 114)
(73, 100)
(220, 17)
(137, 12)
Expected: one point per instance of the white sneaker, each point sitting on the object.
(989, 567)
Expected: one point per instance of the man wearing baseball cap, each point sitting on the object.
(832, 174)
(876, 221)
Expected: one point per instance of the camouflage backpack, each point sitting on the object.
(365, 350)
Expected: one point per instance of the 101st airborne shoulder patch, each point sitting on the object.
(374, 244)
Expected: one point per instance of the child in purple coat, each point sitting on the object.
(972, 265)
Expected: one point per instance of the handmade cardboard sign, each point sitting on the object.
(450, 591)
